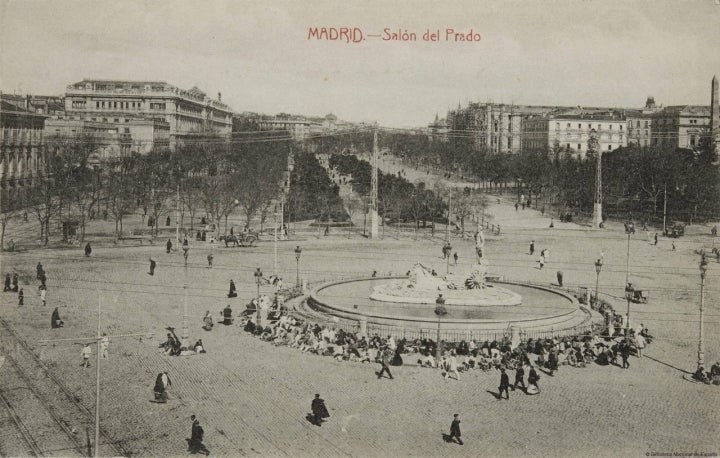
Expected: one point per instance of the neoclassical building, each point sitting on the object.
(123, 103)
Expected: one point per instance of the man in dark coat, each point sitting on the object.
(519, 375)
(455, 429)
(533, 378)
(152, 266)
(88, 249)
(319, 411)
(15, 282)
(227, 315)
(385, 364)
(504, 384)
(168, 246)
(7, 283)
(39, 270)
(195, 444)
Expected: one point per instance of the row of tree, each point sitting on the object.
(206, 174)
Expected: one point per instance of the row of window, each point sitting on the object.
(590, 126)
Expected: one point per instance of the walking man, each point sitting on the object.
(319, 411)
(168, 246)
(455, 427)
(15, 283)
(43, 292)
(385, 364)
(195, 443)
(210, 260)
(455, 256)
(656, 238)
(88, 249)
(625, 354)
(21, 297)
(533, 378)
(532, 247)
(504, 384)
(519, 376)
(152, 266)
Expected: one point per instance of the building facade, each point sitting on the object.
(680, 126)
(572, 132)
(22, 152)
(715, 115)
(124, 103)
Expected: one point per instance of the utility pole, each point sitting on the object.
(665, 209)
(177, 214)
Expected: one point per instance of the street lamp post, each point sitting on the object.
(185, 333)
(598, 268)
(275, 271)
(258, 279)
(448, 249)
(629, 229)
(701, 347)
(440, 311)
(298, 251)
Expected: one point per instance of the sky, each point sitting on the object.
(258, 54)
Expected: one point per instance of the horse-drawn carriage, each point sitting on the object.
(637, 296)
(243, 239)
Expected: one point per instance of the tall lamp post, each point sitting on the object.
(298, 251)
(701, 347)
(185, 333)
(598, 268)
(275, 271)
(448, 250)
(258, 279)
(440, 311)
(629, 229)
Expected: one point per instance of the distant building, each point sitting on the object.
(122, 103)
(680, 126)
(498, 128)
(571, 132)
(438, 129)
(300, 129)
(639, 123)
(22, 153)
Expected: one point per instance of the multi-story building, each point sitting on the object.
(496, 127)
(438, 129)
(109, 141)
(639, 123)
(119, 102)
(300, 129)
(22, 153)
(680, 126)
(571, 132)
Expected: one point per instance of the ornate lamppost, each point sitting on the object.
(440, 311)
(298, 251)
(258, 279)
(629, 229)
(598, 268)
(701, 347)
(448, 251)
(186, 251)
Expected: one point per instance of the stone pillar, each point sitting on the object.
(363, 327)
(514, 336)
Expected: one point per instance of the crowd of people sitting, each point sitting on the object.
(173, 346)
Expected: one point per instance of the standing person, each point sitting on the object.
(532, 247)
(104, 344)
(455, 426)
(519, 378)
(455, 256)
(516, 206)
(7, 283)
(533, 378)
(210, 260)
(452, 366)
(88, 249)
(39, 269)
(195, 443)
(233, 290)
(319, 411)
(21, 297)
(43, 292)
(152, 266)
(86, 352)
(384, 364)
(542, 260)
(504, 384)
(639, 344)
(625, 353)
(55, 321)
(15, 282)
(656, 238)
(168, 246)
(560, 278)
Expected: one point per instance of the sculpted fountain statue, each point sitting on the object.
(421, 287)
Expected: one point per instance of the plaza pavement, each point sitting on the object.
(252, 397)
